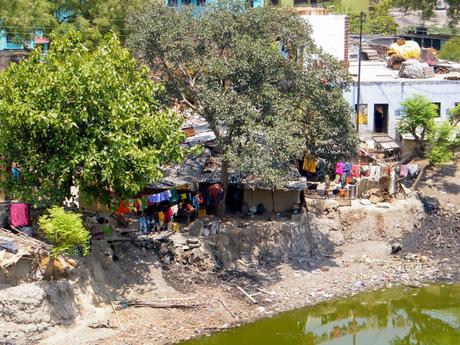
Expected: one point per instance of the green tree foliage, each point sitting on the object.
(427, 8)
(451, 49)
(21, 18)
(264, 109)
(418, 114)
(378, 21)
(93, 18)
(64, 230)
(85, 117)
(444, 140)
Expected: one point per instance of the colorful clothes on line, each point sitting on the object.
(123, 208)
(404, 170)
(309, 165)
(347, 168)
(355, 171)
(19, 215)
(413, 169)
(339, 168)
(365, 170)
(375, 173)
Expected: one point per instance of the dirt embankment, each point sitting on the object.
(281, 265)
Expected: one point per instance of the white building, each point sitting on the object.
(382, 93)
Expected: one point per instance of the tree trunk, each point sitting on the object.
(224, 177)
(273, 204)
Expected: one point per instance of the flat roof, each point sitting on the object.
(376, 71)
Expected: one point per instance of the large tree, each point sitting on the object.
(84, 117)
(226, 66)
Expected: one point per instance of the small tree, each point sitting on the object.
(85, 117)
(64, 230)
(418, 114)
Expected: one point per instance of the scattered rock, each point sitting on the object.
(396, 247)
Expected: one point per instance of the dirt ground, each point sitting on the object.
(207, 301)
(439, 235)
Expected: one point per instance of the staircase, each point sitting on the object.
(370, 53)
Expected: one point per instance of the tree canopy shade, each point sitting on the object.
(264, 109)
(85, 117)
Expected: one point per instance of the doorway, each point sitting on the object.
(381, 118)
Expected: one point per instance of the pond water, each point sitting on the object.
(395, 316)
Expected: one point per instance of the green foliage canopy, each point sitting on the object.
(64, 230)
(94, 19)
(85, 117)
(377, 21)
(451, 50)
(418, 114)
(226, 66)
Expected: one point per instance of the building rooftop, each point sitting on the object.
(376, 71)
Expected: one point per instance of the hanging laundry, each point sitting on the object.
(385, 171)
(339, 168)
(123, 208)
(309, 165)
(347, 168)
(413, 169)
(161, 216)
(19, 215)
(138, 205)
(174, 196)
(175, 209)
(144, 201)
(183, 196)
(168, 215)
(154, 198)
(375, 173)
(404, 170)
(365, 170)
(196, 202)
(355, 171)
(143, 225)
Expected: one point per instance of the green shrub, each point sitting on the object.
(64, 230)
(442, 141)
(451, 50)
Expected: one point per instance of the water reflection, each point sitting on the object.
(397, 316)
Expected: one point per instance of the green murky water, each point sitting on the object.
(396, 316)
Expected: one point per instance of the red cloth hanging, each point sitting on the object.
(19, 215)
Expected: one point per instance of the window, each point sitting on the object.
(274, 2)
(439, 108)
(186, 2)
(10, 38)
(300, 2)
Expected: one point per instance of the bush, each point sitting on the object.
(451, 50)
(64, 230)
(444, 142)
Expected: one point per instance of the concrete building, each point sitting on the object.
(382, 93)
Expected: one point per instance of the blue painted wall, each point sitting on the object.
(6, 44)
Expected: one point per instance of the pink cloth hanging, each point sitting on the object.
(19, 215)
(339, 168)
